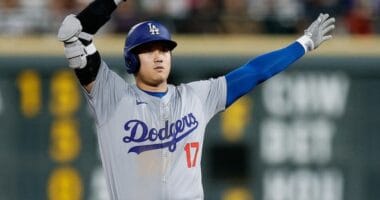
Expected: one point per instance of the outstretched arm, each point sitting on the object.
(76, 33)
(245, 78)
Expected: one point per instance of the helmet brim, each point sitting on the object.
(170, 43)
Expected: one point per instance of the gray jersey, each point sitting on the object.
(151, 147)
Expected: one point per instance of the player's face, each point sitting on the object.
(155, 63)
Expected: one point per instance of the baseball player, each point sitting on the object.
(151, 133)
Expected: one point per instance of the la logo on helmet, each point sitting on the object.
(153, 29)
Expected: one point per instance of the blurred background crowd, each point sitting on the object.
(20, 17)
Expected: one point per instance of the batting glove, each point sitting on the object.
(317, 32)
(70, 33)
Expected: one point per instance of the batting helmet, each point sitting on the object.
(143, 33)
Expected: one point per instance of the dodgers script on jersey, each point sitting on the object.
(151, 147)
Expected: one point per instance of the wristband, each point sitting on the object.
(306, 43)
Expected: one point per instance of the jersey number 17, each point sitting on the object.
(191, 150)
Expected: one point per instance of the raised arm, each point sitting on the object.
(245, 78)
(76, 33)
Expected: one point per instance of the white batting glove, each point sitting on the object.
(69, 29)
(317, 32)
(70, 34)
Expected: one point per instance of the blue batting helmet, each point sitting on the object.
(143, 33)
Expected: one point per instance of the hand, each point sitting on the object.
(68, 33)
(319, 29)
(70, 29)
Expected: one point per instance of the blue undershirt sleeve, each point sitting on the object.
(243, 79)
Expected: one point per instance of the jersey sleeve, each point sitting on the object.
(257, 70)
(212, 94)
(107, 91)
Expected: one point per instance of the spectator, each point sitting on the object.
(58, 9)
(61, 8)
(376, 14)
(8, 5)
(358, 19)
(169, 12)
(126, 16)
(22, 16)
(277, 16)
(234, 17)
(177, 9)
(203, 17)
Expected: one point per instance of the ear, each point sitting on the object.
(132, 62)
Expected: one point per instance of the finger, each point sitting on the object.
(327, 37)
(319, 19)
(328, 23)
(323, 17)
(328, 29)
